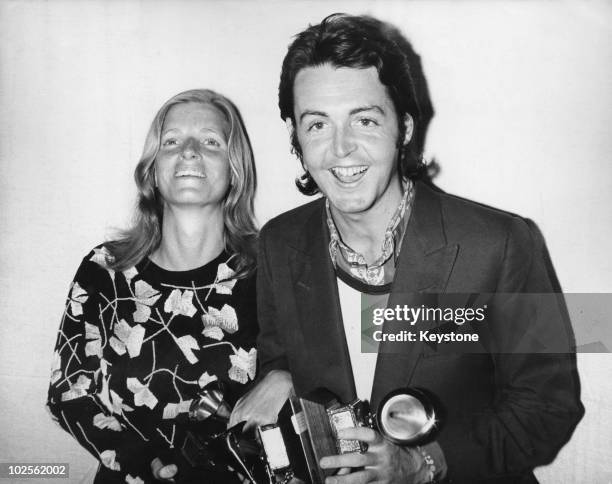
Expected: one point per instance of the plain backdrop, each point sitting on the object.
(522, 93)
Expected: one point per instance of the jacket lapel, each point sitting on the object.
(424, 267)
(318, 308)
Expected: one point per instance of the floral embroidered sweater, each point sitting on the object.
(135, 347)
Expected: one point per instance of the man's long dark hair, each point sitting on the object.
(359, 42)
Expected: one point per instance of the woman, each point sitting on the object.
(169, 306)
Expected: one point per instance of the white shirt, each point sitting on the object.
(363, 364)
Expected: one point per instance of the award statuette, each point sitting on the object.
(307, 430)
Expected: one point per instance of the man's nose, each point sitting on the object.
(343, 143)
(190, 149)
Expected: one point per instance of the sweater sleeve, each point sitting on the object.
(79, 398)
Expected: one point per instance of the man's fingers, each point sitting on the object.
(237, 414)
(235, 418)
(156, 465)
(250, 424)
(255, 417)
(359, 477)
(354, 459)
(160, 471)
(167, 472)
(364, 434)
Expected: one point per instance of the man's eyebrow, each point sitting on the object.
(310, 112)
(360, 109)
(372, 107)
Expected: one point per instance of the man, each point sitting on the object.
(347, 97)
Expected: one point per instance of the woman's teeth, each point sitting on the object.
(195, 173)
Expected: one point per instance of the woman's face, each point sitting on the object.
(192, 166)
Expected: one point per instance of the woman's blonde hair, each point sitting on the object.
(240, 231)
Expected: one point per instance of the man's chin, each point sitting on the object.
(352, 206)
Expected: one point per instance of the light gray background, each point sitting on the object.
(522, 93)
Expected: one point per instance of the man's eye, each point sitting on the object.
(316, 126)
(367, 122)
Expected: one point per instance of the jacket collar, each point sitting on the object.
(424, 266)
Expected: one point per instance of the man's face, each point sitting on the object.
(347, 128)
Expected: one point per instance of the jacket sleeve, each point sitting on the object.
(79, 398)
(537, 399)
(269, 345)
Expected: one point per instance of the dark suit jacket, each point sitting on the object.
(505, 413)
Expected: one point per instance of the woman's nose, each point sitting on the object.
(343, 143)
(190, 149)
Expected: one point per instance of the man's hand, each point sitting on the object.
(261, 405)
(383, 462)
(161, 472)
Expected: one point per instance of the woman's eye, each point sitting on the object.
(211, 142)
(170, 142)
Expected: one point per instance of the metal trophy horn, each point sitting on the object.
(209, 444)
(406, 416)
(210, 404)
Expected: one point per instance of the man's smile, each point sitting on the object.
(349, 174)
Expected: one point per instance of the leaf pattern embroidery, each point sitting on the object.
(109, 459)
(127, 337)
(146, 296)
(111, 309)
(187, 344)
(215, 321)
(56, 367)
(180, 303)
(171, 410)
(213, 332)
(118, 406)
(130, 274)
(205, 379)
(77, 389)
(77, 297)
(101, 257)
(142, 394)
(224, 282)
(243, 365)
(106, 422)
(93, 347)
(133, 480)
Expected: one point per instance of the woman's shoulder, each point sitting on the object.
(94, 271)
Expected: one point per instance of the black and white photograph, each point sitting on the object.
(305, 241)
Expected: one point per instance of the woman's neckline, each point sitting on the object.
(147, 265)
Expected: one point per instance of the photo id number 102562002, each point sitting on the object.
(16, 470)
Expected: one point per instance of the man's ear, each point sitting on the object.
(409, 123)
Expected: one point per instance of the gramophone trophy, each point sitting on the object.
(306, 431)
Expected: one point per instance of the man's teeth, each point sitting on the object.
(345, 171)
(195, 173)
